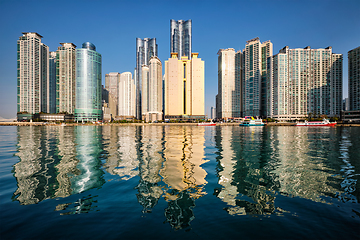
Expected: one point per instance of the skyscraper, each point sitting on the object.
(52, 82)
(65, 78)
(127, 100)
(305, 81)
(145, 49)
(229, 83)
(180, 38)
(152, 90)
(354, 79)
(112, 86)
(256, 72)
(88, 83)
(32, 74)
(184, 87)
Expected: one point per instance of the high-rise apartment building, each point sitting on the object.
(88, 84)
(354, 79)
(229, 84)
(184, 87)
(180, 38)
(256, 72)
(65, 78)
(32, 74)
(112, 86)
(305, 82)
(145, 49)
(152, 90)
(52, 82)
(127, 93)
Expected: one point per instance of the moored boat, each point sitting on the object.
(324, 122)
(252, 122)
(207, 124)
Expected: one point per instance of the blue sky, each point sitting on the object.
(113, 26)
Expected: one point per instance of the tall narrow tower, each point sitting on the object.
(32, 74)
(180, 38)
(145, 49)
(65, 78)
(88, 83)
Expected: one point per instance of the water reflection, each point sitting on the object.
(182, 173)
(253, 166)
(150, 163)
(57, 162)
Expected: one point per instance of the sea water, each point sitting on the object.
(176, 182)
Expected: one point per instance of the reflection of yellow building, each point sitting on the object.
(184, 86)
(184, 155)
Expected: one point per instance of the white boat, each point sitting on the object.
(252, 122)
(324, 122)
(207, 124)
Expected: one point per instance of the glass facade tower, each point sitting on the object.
(145, 49)
(88, 84)
(180, 38)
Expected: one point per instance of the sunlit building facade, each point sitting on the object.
(127, 93)
(305, 81)
(65, 78)
(184, 88)
(256, 73)
(88, 84)
(145, 49)
(229, 83)
(180, 38)
(152, 90)
(32, 74)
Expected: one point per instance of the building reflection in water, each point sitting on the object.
(182, 173)
(150, 163)
(254, 165)
(122, 156)
(88, 152)
(56, 162)
(244, 180)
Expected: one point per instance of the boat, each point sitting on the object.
(252, 122)
(207, 124)
(324, 122)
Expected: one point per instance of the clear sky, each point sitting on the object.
(113, 27)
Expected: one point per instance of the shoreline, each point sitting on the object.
(153, 124)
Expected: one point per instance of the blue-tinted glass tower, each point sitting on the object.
(88, 84)
(180, 38)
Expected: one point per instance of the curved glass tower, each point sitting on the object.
(88, 84)
(180, 38)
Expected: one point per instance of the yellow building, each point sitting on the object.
(184, 88)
